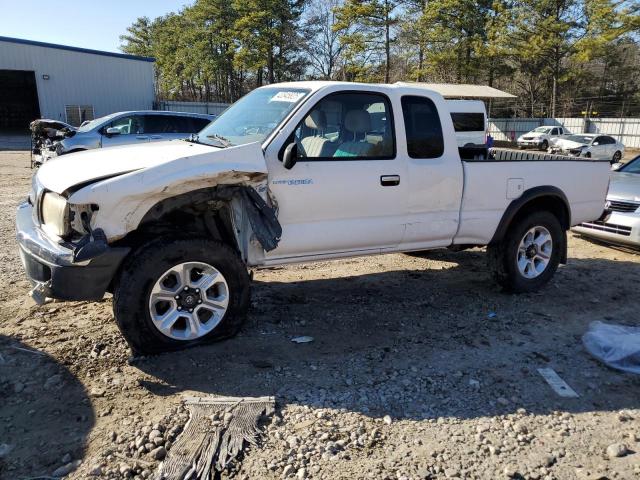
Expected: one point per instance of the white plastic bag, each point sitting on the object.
(615, 345)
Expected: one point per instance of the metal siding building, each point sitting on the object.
(68, 80)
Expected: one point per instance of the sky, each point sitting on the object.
(87, 24)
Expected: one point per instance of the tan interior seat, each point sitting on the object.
(316, 145)
(357, 123)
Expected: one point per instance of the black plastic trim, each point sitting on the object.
(516, 205)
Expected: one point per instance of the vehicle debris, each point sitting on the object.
(557, 384)
(617, 346)
(302, 339)
(44, 132)
(217, 431)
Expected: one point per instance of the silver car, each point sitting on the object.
(125, 128)
(620, 221)
(589, 145)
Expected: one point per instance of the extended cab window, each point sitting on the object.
(347, 126)
(422, 124)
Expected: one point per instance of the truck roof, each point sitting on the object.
(315, 85)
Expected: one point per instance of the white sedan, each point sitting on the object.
(590, 145)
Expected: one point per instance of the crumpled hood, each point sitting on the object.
(624, 186)
(61, 173)
(568, 144)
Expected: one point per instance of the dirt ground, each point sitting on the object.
(420, 368)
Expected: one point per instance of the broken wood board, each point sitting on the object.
(217, 431)
(557, 384)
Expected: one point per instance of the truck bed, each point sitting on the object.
(492, 181)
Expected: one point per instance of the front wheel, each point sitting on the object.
(175, 293)
(529, 255)
(544, 146)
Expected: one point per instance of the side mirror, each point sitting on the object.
(290, 156)
(616, 166)
(113, 131)
(596, 143)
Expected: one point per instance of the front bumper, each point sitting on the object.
(617, 227)
(51, 268)
(529, 143)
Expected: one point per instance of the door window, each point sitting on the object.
(128, 125)
(347, 126)
(554, 131)
(422, 124)
(607, 141)
(158, 124)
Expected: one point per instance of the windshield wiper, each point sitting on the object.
(221, 140)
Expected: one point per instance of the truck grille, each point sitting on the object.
(620, 206)
(608, 227)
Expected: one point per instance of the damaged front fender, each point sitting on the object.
(239, 173)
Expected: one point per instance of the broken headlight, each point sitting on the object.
(54, 212)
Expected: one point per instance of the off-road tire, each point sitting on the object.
(146, 264)
(503, 255)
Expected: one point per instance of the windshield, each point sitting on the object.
(579, 138)
(94, 123)
(253, 117)
(631, 167)
(542, 129)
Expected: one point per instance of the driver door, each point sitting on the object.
(348, 190)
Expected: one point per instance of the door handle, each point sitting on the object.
(142, 137)
(156, 137)
(389, 180)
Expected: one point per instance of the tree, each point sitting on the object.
(139, 38)
(364, 28)
(323, 42)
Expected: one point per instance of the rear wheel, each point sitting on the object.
(616, 157)
(529, 255)
(175, 293)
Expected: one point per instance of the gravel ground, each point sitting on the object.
(419, 368)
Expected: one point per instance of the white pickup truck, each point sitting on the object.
(292, 172)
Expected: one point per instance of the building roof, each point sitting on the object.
(76, 49)
(462, 90)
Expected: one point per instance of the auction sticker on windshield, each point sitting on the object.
(287, 97)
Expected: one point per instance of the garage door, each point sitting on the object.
(18, 99)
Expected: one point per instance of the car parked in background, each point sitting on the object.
(125, 128)
(620, 221)
(541, 138)
(469, 121)
(590, 145)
